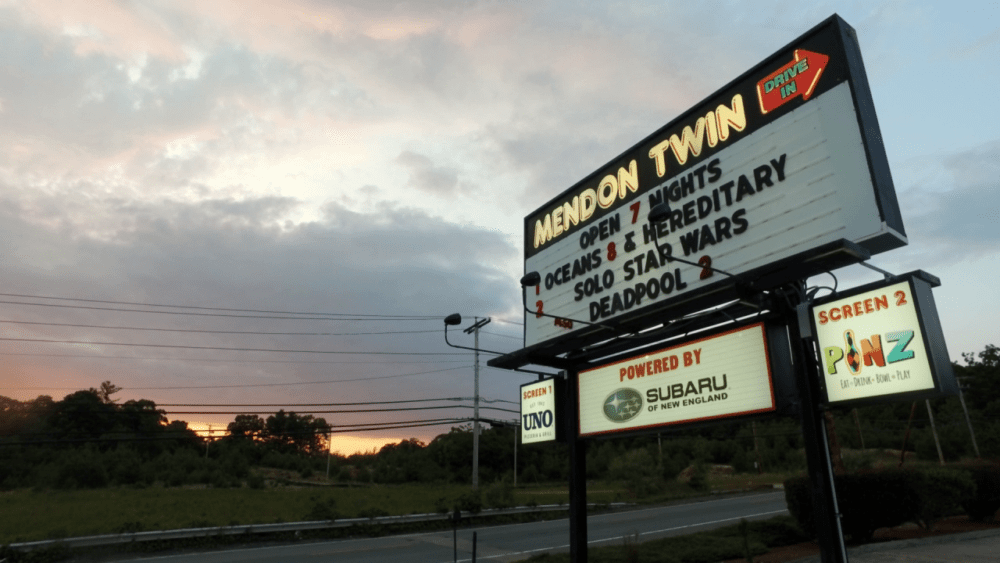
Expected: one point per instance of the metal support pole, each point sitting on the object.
(857, 423)
(906, 437)
(828, 526)
(756, 449)
(454, 531)
(968, 421)
(474, 547)
(577, 473)
(937, 442)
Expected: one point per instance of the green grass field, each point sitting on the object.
(27, 515)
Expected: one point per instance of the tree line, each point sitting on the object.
(88, 439)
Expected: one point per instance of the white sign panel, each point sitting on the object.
(796, 183)
(719, 376)
(538, 412)
(871, 345)
(784, 160)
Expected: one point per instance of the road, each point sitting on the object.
(502, 544)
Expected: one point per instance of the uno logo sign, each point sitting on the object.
(537, 420)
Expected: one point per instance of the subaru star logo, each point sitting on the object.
(623, 405)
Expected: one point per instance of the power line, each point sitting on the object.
(399, 409)
(493, 333)
(93, 357)
(294, 383)
(310, 404)
(315, 317)
(196, 307)
(242, 385)
(185, 347)
(217, 331)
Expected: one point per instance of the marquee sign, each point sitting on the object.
(720, 376)
(883, 341)
(783, 160)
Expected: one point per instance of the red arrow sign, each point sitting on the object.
(797, 78)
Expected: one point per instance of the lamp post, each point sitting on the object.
(474, 329)
(456, 319)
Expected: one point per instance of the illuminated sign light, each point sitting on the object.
(882, 342)
(539, 413)
(775, 165)
(720, 376)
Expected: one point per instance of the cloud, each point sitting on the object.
(425, 176)
(953, 213)
(241, 254)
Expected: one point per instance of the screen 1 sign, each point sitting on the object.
(719, 376)
(882, 341)
(538, 412)
(785, 159)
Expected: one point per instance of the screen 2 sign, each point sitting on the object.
(783, 160)
(720, 376)
(881, 342)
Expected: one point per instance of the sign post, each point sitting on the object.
(814, 434)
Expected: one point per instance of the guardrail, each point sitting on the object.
(186, 533)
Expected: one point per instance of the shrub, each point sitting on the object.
(943, 492)
(325, 509)
(82, 470)
(778, 531)
(867, 501)
(638, 471)
(255, 481)
(986, 501)
(699, 478)
(500, 494)
(470, 501)
(703, 548)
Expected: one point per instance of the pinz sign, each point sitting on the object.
(785, 159)
(881, 342)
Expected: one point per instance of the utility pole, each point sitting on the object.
(329, 452)
(474, 329)
(516, 426)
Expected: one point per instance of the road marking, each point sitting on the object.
(616, 538)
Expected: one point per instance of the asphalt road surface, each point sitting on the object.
(502, 544)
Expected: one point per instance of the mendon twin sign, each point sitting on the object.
(783, 160)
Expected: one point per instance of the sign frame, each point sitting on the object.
(783, 388)
(849, 70)
(931, 337)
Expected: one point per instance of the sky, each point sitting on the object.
(375, 161)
